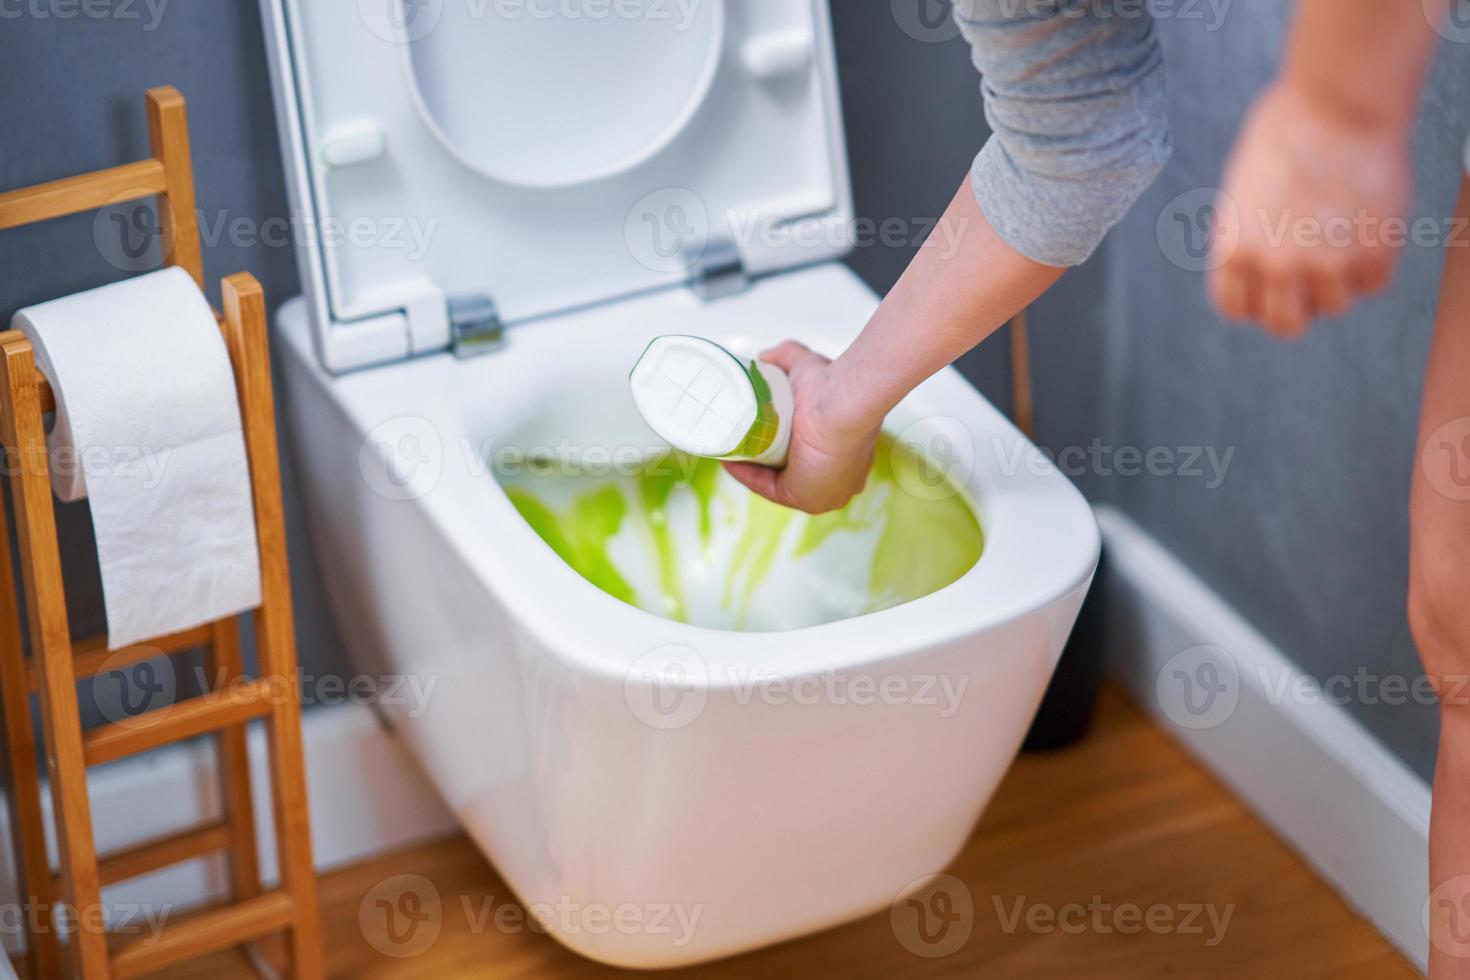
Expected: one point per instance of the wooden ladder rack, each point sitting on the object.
(56, 663)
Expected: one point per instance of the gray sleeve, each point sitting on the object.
(1074, 95)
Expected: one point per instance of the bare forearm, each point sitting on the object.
(1363, 59)
(964, 284)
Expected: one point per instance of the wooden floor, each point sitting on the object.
(1124, 818)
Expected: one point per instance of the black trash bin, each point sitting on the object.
(1066, 710)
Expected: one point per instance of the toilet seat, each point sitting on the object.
(669, 143)
(564, 127)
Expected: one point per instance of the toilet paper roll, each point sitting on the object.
(148, 430)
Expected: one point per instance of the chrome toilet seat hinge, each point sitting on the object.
(475, 326)
(720, 271)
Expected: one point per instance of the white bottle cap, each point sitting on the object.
(704, 400)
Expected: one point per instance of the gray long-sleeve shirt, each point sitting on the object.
(1074, 95)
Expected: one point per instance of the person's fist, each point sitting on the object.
(1311, 215)
(830, 456)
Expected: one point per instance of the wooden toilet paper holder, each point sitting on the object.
(56, 663)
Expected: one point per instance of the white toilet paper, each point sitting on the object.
(148, 430)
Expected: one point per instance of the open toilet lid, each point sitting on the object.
(546, 155)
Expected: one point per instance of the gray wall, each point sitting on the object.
(1307, 535)
(73, 102)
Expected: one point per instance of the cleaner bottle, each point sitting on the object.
(701, 399)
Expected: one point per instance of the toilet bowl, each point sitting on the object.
(657, 792)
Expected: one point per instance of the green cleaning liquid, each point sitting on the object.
(681, 539)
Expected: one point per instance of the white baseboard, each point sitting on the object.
(367, 796)
(1327, 786)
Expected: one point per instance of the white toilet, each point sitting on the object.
(582, 177)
